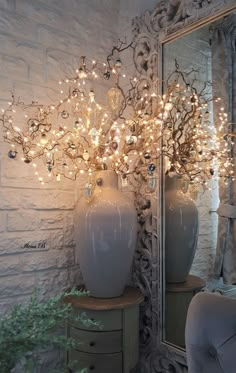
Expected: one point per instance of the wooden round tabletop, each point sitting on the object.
(192, 283)
(130, 297)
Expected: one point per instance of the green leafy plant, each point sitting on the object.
(37, 325)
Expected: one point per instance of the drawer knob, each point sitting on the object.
(92, 367)
(92, 344)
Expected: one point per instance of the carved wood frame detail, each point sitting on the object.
(168, 20)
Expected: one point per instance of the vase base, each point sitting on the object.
(103, 295)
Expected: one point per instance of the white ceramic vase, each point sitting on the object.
(106, 231)
(181, 231)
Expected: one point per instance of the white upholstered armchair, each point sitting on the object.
(211, 334)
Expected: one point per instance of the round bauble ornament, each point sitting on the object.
(147, 155)
(27, 160)
(33, 125)
(75, 92)
(129, 140)
(107, 75)
(151, 168)
(12, 154)
(114, 145)
(99, 181)
(65, 114)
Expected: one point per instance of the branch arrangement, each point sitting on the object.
(128, 131)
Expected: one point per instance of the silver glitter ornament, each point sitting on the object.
(33, 125)
(107, 75)
(147, 155)
(49, 167)
(129, 140)
(75, 92)
(64, 114)
(114, 145)
(151, 168)
(12, 154)
(99, 181)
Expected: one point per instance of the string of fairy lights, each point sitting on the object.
(127, 131)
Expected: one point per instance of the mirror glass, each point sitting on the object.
(191, 219)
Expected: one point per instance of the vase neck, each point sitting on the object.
(109, 179)
(172, 184)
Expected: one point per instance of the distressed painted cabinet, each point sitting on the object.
(178, 298)
(114, 347)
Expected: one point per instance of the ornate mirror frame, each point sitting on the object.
(169, 20)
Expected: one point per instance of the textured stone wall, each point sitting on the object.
(42, 41)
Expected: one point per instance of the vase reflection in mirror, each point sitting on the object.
(181, 230)
(106, 230)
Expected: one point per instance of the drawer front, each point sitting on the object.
(110, 320)
(95, 363)
(97, 342)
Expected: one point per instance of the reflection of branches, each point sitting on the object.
(192, 144)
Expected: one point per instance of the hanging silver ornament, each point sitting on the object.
(82, 72)
(152, 183)
(129, 140)
(86, 156)
(124, 181)
(88, 190)
(12, 154)
(206, 115)
(99, 181)
(114, 98)
(132, 127)
(33, 125)
(75, 92)
(147, 155)
(109, 151)
(49, 167)
(72, 145)
(91, 95)
(43, 139)
(114, 145)
(64, 114)
(106, 75)
(151, 168)
(118, 63)
(76, 125)
(27, 159)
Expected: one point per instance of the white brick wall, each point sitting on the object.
(40, 42)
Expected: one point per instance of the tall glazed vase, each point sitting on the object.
(106, 230)
(181, 231)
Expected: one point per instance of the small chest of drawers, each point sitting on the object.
(113, 348)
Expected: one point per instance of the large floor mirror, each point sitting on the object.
(197, 37)
(199, 235)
